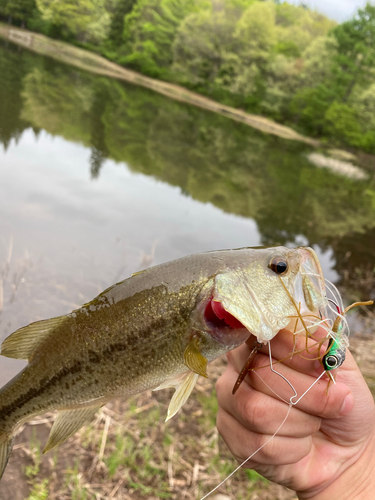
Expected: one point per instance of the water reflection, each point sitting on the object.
(72, 237)
(224, 185)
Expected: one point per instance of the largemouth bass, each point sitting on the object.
(156, 329)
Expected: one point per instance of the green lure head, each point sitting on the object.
(335, 355)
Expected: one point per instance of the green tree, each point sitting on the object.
(364, 103)
(309, 106)
(88, 20)
(150, 30)
(316, 61)
(3, 4)
(21, 10)
(204, 52)
(341, 122)
(355, 57)
(256, 32)
(224, 50)
(122, 8)
(297, 27)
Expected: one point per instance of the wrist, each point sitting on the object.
(355, 482)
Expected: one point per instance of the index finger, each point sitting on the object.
(284, 348)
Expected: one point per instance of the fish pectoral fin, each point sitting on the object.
(171, 382)
(193, 358)
(5, 450)
(67, 423)
(182, 394)
(23, 342)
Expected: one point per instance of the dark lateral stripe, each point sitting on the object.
(33, 393)
(130, 344)
(94, 357)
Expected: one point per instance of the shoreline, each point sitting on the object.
(94, 63)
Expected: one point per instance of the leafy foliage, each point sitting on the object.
(19, 10)
(122, 8)
(266, 57)
(149, 31)
(88, 20)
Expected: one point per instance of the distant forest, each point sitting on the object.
(289, 63)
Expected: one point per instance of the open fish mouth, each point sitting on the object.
(223, 326)
(218, 316)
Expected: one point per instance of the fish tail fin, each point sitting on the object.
(5, 451)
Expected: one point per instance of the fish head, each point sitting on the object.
(260, 293)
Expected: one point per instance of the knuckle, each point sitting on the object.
(220, 385)
(325, 406)
(267, 448)
(315, 425)
(219, 421)
(254, 412)
(230, 356)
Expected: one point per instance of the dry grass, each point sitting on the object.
(129, 452)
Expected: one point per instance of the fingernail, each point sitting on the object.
(347, 405)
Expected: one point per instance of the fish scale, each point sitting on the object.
(148, 332)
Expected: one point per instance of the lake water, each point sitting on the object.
(99, 179)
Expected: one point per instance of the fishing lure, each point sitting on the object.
(337, 333)
(335, 355)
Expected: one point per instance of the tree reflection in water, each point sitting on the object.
(211, 158)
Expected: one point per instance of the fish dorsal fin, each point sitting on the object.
(22, 343)
(193, 358)
(67, 423)
(182, 393)
(138, 272)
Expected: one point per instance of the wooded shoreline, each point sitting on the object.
(94, 63)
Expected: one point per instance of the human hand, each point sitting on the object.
(326, 447)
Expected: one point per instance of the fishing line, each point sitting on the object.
(316, 344)
(290, 404)
(335, 294)
(284, 400)
(332, 289)
(270, 388)
(322, 322)
(334, 303)
(251, 456)
(307, 390)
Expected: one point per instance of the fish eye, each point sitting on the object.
(332, 361)
(279, 265)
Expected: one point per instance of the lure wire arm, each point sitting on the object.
(279, 374)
